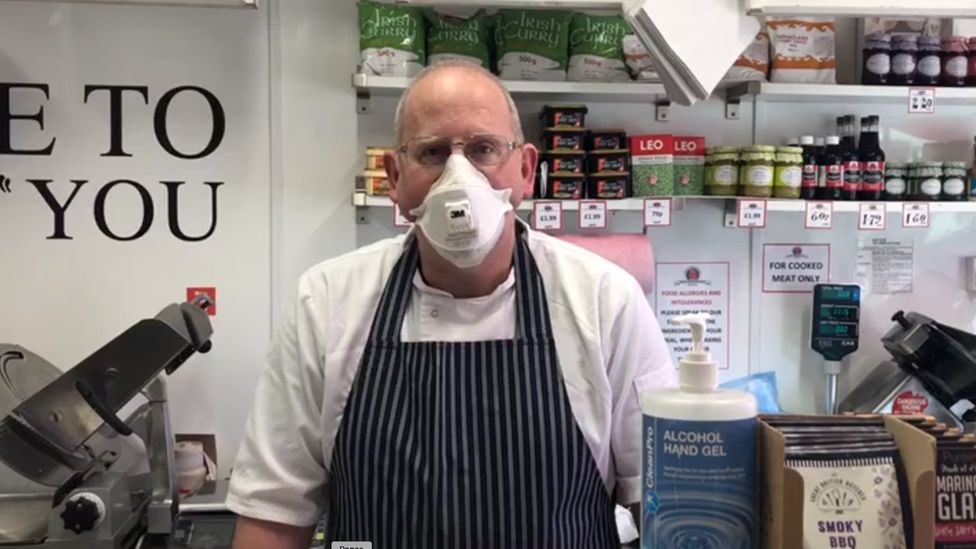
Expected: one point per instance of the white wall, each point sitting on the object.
(65, 298)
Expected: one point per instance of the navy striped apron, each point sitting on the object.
(468, 444)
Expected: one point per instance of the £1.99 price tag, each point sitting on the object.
(921, 101)
(820, 215)
(915, 216)
(593, 214)
(872, 217)
(657, 212)
(752, 213)
(547, 215)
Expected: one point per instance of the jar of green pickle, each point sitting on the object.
(722, 171)
(954, 181)
(756, 170)
(896, 181)
(929, 176)
(788, 172)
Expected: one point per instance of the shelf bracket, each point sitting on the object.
(731, 214)
(662, 111)
(362, 102)
(732, 109)
(359, 201)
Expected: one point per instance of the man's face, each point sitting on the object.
(456, 103)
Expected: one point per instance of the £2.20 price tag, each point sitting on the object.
(547, 215)
(872, 217)
(915, 216)
(752, 213)
(921, 101)
(819, 215)
(657, 212)
(593, 214)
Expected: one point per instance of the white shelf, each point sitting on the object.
(772, 204)
(864, 8)
(629, 92)
(844, 93)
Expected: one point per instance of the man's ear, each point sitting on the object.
(530, 162)
(392, 172)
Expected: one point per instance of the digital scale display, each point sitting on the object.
(836, 313)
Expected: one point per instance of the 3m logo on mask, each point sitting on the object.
(459, 221)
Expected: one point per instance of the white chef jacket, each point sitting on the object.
(607, 339)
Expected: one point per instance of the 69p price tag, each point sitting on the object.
(752, 214)
(872, 217)
(915, 216)
(547, 215)
(921, 101)
(820, 215)
(657, 212)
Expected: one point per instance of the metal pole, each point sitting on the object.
(832, 369)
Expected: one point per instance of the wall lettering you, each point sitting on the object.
(20, 124)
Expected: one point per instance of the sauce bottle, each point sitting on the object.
(808, 177)
(830, 171)
(852, 164)
(872, 160)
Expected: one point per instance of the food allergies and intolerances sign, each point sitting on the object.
(694, 287)
(795, 268)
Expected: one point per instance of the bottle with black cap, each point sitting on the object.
(830, 171)
(852, 164)
(808, 177)
(872, 160)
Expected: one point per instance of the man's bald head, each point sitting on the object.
(453, 67)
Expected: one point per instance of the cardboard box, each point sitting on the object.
(689, 166)
(652, 165)
(781, 488)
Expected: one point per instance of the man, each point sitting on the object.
(471, 384)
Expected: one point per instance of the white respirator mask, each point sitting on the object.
(462, 215)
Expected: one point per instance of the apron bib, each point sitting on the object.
(467, 444)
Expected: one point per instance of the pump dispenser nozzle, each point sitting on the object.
(696, 370)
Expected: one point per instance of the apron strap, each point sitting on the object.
(531, 304)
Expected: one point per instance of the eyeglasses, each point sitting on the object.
(481, 150)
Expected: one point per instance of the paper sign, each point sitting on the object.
(921, 101)
(398, 219)
(795, 268)
(885, 265)
(657, 212)
(915, 216)
(819, 215)
(593, 214)
(547, 215)
(872, 217)
(752, 213)
(694, 287)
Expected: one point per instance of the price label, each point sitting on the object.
(915, 216)
(872, 217)
(657, 212)
(593, 214)
(820, 215)
(921, 101)
(547, 215)
(752, 213)
(398, 219)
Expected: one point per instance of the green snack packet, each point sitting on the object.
(532, 44)
(596, 48)
(451, 37)
(391, 39)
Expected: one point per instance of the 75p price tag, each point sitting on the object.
(547, 215)
(921, 101)
(819, 215)
(657, 212)
(872, 217)
(752, 214)
(915, 216)
(593, 214)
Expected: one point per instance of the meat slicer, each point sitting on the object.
(74, 474)
(932, 371)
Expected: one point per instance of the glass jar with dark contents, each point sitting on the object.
(971, 76)
(877, 59)
(904, 58)
(929, 61)
(955, 61)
